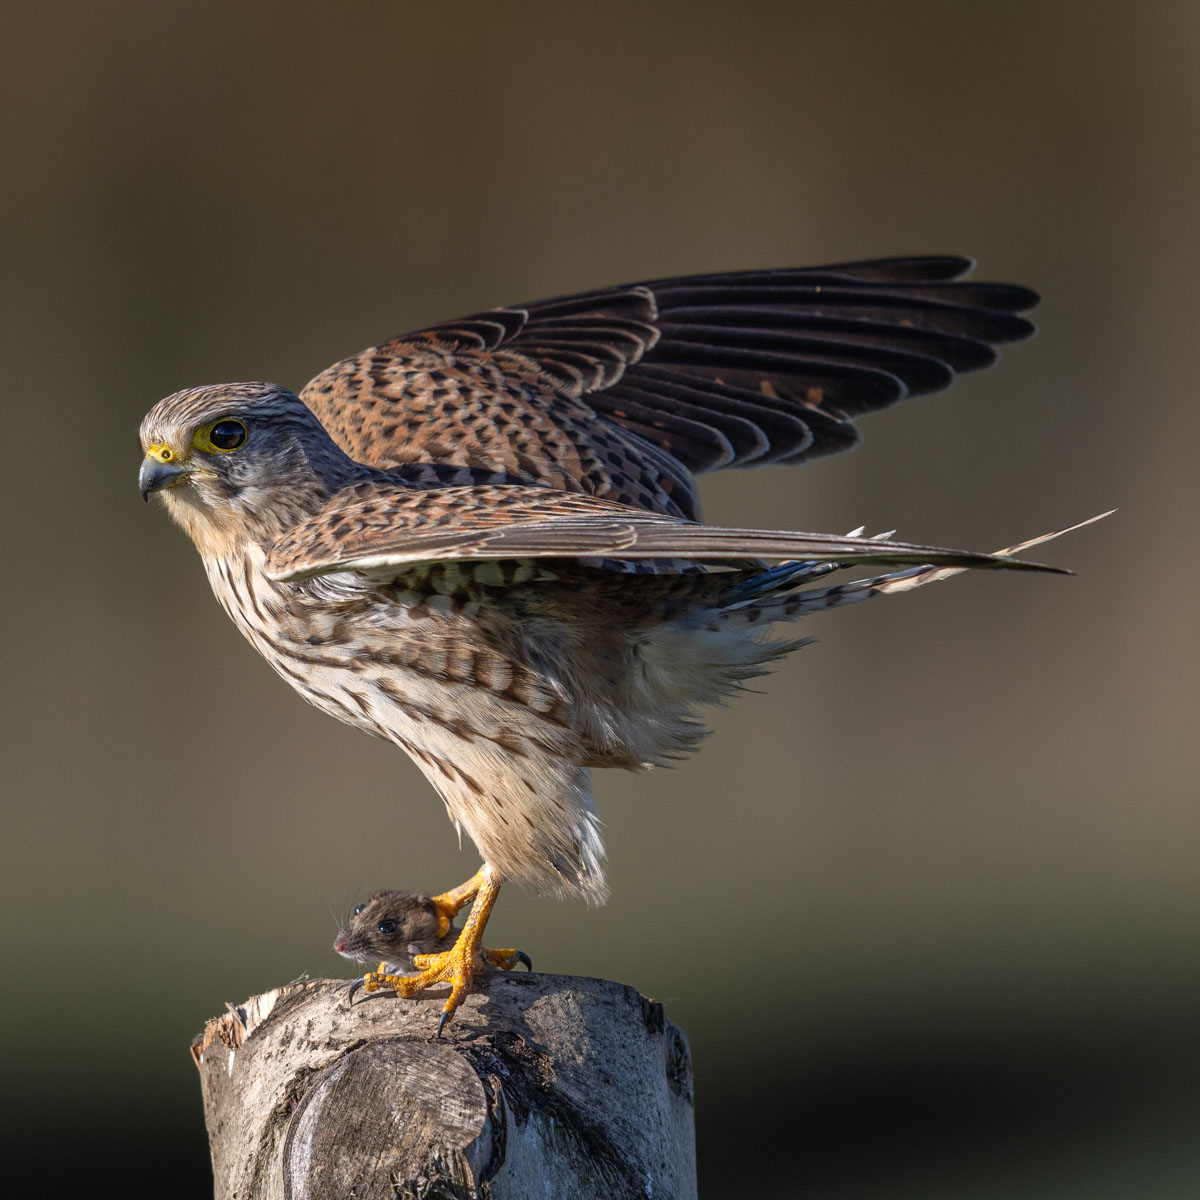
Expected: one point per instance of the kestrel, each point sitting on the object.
(482, 541)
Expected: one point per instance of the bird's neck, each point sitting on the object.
(249, 519)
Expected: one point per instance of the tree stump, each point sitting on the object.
(542, 1085)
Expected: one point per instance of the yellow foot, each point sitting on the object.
(456, 966)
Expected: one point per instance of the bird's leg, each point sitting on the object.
(450, 903)
(456, 966)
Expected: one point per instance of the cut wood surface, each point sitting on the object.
(542, 1085)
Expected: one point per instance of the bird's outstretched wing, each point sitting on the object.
(376, 527)
(628, 392)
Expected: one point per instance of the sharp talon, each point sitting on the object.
(360, 982)
(442, 1022)
(522, 957)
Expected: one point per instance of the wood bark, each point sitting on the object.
(542, 1085)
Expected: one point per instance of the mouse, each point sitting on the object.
(390, 928)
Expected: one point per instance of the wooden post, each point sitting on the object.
(543, 1085)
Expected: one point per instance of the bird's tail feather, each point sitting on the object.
(771, 595)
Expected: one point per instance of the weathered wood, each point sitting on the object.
(543, 1085)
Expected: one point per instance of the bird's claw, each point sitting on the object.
(506, 960)
(364, 982)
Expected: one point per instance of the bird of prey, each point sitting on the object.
(482, 541)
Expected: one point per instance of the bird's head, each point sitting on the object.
(237, 462)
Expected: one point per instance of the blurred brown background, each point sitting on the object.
(927, 904)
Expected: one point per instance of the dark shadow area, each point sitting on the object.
(888, 1119)
(130, 1153)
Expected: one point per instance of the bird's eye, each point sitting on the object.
(223, 436)
(358, 908)
(387, 926)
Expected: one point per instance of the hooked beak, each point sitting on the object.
(155, 475)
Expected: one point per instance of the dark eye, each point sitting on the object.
(387, 926)
(358, 908)
(227, 435)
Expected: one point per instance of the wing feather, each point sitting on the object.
(725, 370)
(379, 527)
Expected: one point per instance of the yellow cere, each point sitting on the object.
(164, 454)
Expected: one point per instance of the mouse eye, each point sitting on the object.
(221, 436)
(387, 926)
